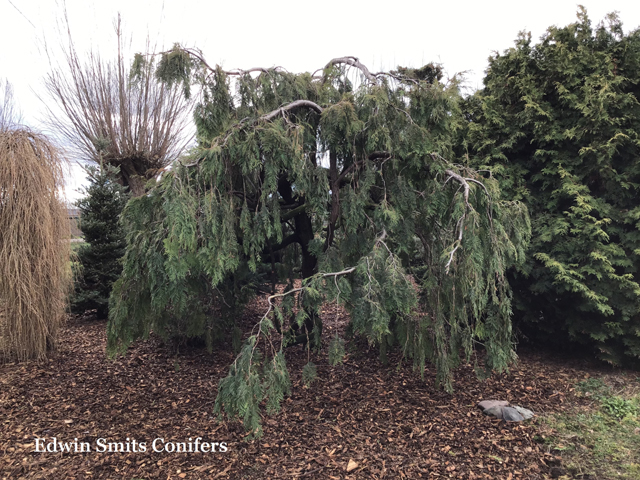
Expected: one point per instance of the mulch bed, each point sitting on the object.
(381, 421)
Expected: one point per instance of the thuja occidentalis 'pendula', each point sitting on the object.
(339, 179)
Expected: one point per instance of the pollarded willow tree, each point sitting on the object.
(137, 126)
(339, 178)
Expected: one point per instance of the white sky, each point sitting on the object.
(297, 35)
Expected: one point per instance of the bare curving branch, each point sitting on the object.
(352, 61)
(268, 117)
(462, 181)
(234, 72)
(292, 106)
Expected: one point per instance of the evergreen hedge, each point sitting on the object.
(558, 122)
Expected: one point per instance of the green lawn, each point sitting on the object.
(601, 438)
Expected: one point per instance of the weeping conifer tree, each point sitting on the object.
(340, 178)
(34, 245)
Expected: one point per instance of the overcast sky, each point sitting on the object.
(297, 35)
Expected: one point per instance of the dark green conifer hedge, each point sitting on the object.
(558, 122)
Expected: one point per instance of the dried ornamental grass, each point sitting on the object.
(34, 245)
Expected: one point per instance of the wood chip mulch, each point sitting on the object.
(358, 420)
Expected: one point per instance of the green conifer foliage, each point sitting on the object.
(100, 258)
(559, 124)
(340, 179)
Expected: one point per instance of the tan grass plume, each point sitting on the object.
(34, 245)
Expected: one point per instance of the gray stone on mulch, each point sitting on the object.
(494, 411)
(510, 414)
(502, 410)
(485, 404)
(525, 412)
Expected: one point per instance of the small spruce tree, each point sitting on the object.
(100, 257)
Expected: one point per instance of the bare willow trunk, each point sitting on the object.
(34, 246)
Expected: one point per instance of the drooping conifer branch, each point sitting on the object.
(267, 118)
(460, 225)
(372, 157)
(315, 278)
(462, 181)
(270, 299)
